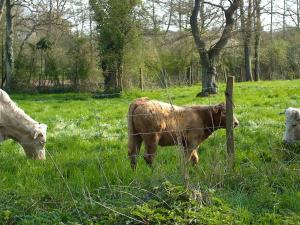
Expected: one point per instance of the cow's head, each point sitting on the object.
(219, 116)
(292, 125)
(34, 142)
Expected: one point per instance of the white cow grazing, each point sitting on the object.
(17, 125)
(292, 132)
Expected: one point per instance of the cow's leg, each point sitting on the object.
(191, 153)
(151, 142)
(134, 146)
(194, 158)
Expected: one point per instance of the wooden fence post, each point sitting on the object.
(229, 121)
(141, 79)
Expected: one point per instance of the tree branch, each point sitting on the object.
(215, 5)
(195, 29)
(229, 12)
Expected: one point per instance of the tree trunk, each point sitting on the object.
(153, 16)
(271, 24)
(109, 81)
(247, 55)
(246, 27)
(209, 74)
(9, 60)
(208, 79)
(41, 72)
(208, 57)
(170, 17)
(257, 40)
(111, 76)
(271, 31)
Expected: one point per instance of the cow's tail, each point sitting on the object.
(134, 139)
(131, 129)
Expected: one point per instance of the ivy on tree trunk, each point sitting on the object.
(114, 21)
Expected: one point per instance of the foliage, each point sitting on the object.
(44, 44)
(275, 57)
(80, 64)
(183, 206)
(114, 23)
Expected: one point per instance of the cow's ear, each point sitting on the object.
(35, 134)
(222, 107)
(40, 131)
(44, 128)
(218, 108)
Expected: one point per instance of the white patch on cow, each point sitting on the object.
(292, 123)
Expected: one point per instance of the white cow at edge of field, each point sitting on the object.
(17, 125)
(292, 123)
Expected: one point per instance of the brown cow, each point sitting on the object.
(159, 123)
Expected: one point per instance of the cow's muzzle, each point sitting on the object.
(235, 123)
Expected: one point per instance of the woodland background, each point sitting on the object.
(62, 45)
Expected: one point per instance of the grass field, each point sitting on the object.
(87, 178)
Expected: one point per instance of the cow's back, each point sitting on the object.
(155, 116)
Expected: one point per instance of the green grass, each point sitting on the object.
(87, 170)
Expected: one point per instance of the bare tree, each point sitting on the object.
(170, 16)
(257, 23)
(271, 13)
(294, 13)
(209, 56)
(38, 15)
(284, 18)
(180, 14)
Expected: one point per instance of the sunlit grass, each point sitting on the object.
(87, 156)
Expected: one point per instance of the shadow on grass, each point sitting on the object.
(104, 95)
(52, 97)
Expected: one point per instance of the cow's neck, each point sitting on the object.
(16, 128)
(12, 133)
(209, 121)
